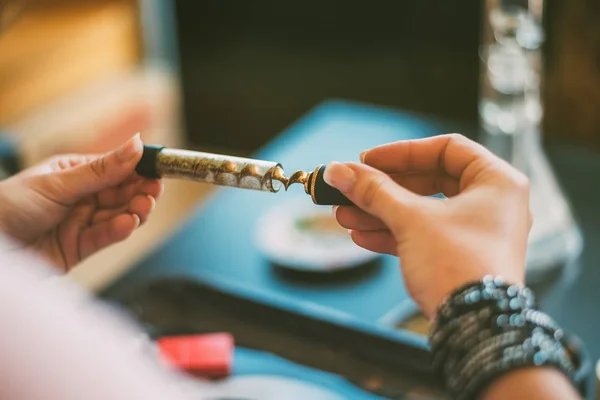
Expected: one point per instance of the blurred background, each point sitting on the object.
(230, 75)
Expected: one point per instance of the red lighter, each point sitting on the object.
(207, 355)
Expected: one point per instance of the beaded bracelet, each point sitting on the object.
(486, 329)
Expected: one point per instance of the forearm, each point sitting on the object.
(532, 384)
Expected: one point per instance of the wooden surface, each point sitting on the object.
(573, 71)
(51, 51)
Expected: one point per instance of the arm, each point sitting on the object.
(532, 384)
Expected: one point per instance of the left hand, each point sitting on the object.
(71, 206)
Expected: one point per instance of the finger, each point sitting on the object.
(108, 213)
(118, 196)
(55, 164)
(104, 234)
(68, 232)
(454, 154)
(428, 183)
(356, 219)
(377, 241)
(100, 173)
(141, 205)
(372, 191)
(73, 160)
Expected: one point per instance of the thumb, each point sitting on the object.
(100, 173)
(371, 190)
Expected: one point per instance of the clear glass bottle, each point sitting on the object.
(511, 112)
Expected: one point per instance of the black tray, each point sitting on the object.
(376, 361)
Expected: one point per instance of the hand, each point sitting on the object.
(72, 206)
(480, 229)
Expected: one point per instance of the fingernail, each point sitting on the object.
(132, 147)
(339, 176)
(152, 202)
(136, 220)
(334, 211)
(362, 156)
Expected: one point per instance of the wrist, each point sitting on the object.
(488, 329)
(444, 289)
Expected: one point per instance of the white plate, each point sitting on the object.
(302, 236)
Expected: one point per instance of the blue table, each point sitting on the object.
(216, 243)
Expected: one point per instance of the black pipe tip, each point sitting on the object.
(147, 165)
(323, 194)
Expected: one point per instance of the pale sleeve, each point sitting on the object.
(56, 342)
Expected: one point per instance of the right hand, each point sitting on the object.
(480, 229)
